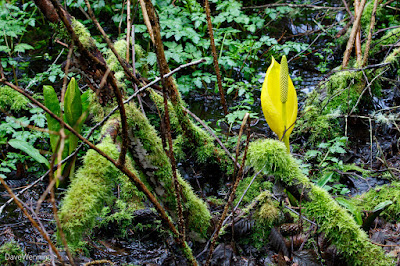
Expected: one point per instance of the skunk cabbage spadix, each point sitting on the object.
(279, 100)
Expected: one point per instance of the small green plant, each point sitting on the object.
(328, 165)
(75, 113)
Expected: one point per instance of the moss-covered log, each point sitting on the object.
(337, 224)
(202, 149)
(91, 189)
(151, 159)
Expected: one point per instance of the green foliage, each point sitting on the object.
(329, 165)
(14, 22)
(14, 128)
(51, 102)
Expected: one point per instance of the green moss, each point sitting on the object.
(11, 254)
(89, 191)
(340, 227)
(271, 156)
(84, 35)
(268, 213)
(265, 212)
(12, 100)
(160, 180)
(317, 126)
(259, 185)
(391, 37)
(159, 102)
(206, 153)
(337, 224)
(366, 15)
(114, 65)
(393, 57)
(95, 108)
(369, 200)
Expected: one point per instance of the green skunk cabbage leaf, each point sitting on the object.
(51, 102)
(72, 103)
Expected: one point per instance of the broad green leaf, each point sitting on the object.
(29, 149)
(381, 206)
(51, 102)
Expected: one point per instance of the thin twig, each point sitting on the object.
(212, 134)
(128, 29)
(117, 91)
(34, 223)
(233, 192)
(371, 29)
(134, 69)
(346, 6)
(170, 154)
(383, 159)
(215, 58)
(53, 201)
(147, 20)
(358, 35)
(365, 89)
(350, 43)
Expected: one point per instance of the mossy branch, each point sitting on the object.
(337, 224)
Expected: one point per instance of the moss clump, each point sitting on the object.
(159, 102)
(12, 100)
(84, 35)
(317, 126)
(271, 157)
(114, 65)
(369, 200)
(265, 212)
(367, 13)
(11, 254)
(89, 191)
(343, 90)
(391, 37)
(201, 148)
(259, 185)
(153, 156)
(337, 224)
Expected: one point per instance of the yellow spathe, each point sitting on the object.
(272, 105)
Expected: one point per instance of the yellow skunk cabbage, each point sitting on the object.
(279, 100)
